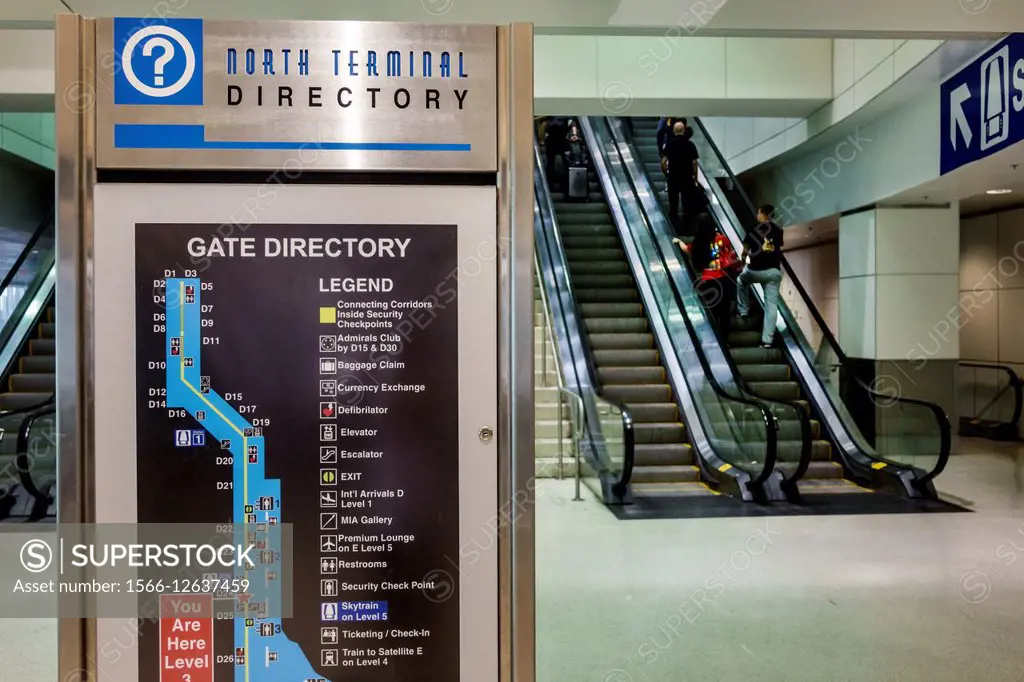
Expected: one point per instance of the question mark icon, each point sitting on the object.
(166, 55)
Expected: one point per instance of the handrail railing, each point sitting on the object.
(723, 371)
(709, 446)
(561, 387)
(578, 344)
(921, 479)
(24, 464)
(1016, 383)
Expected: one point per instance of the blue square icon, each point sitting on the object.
(198, 438)
(158, 62)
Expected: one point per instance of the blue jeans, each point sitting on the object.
(769, 280)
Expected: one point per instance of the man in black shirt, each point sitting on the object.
(681, 157)
(762, 251)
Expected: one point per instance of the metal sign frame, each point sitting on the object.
(80, 88)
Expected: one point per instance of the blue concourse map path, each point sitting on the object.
(262, 653)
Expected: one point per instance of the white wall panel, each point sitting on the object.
(917, 314)
(917, 241)
(979, 249)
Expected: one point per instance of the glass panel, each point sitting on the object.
(901, 431)
(25, 273)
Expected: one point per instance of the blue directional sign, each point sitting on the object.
(983, 105)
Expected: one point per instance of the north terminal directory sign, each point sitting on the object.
(282, 321)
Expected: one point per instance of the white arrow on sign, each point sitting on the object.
(957, 118)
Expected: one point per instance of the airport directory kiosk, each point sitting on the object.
(295, 291)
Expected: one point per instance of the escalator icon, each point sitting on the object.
(995, 98)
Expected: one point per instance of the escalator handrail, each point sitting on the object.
(941, 418)
(1016, 383)
(595, 387)
(771, 425)
(23, 464)
(745, 392)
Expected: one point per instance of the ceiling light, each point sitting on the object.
(999, 191)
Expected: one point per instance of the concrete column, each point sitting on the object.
(899, 308)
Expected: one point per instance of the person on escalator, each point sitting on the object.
(681, 163)
(713, 257)
(555, 145)
(666, 124)
(577, 164)
(762, 252)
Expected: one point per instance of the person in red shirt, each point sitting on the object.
(713, 257)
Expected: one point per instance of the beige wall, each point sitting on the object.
(817, 268)
(991, 304)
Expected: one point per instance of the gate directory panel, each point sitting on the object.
(295, 306)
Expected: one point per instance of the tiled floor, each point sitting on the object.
(902, 597)
(818, 598)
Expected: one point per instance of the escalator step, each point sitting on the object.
(621, 341)
(821, 450)
(819, 470)
(47, 330)
(619, 376)
(791, 450)
(626, 325)
(618, 310)
(610, 241)
(592, 217)
(603, 282)
(659, 432)
(776, 390)
(641, 393)
(744, 339)
(653, 412)
(625, 358)
(665, 474)
(757, 356)
(31, 364)
(593, 254)
(567, 210)
(599, 268)
(32, 383)
(607, 295)
(662, 454)
(764, 372)
(42, 347)
(587, 231)
(16, 401)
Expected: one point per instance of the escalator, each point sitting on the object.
(28, 448)
(765, 372)
(631, 336)
(626, 361)
(907, 443)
